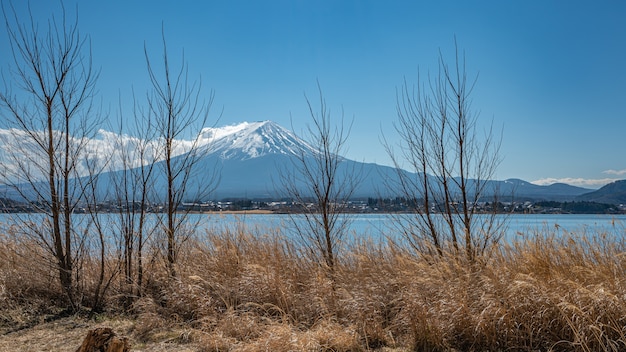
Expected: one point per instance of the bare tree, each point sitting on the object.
(321, 182)
(177, 108)
(451, 163)
(50, 107)
(99, 236)
(133, 192)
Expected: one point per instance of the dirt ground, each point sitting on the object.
(67, 334)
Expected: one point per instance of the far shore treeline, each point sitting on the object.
(356, 206)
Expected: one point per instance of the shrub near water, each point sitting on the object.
(242, 292)
(28, 285)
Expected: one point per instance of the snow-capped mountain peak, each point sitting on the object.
(237, 142)
(249, 140)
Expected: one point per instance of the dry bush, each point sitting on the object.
(369, 293)
(26, 269)
(29, 290)
(185, 302)
(262, 273)
(580, 277)
(246, 291)
(148, 321)
(279, 338)
(332, 336)
(552, 293)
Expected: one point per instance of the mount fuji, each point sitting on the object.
(250, 160)
(247, 141)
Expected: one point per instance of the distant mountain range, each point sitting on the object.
(613, 193)
(250, 159)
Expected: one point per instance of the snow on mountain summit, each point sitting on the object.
(212, 133)
(249, 140)
(243, 141)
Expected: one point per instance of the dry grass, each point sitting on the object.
(239, 292)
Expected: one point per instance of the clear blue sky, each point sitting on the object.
(551, 73)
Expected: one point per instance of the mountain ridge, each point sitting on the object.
(252, 158)
(613, 193)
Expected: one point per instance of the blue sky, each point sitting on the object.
(552, 74)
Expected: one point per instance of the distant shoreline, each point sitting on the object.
(253, 211)
(282, 211)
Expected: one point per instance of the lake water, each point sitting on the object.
(378, 226)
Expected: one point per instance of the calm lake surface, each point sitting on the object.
(378, 226)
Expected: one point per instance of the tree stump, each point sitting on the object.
(104, 340)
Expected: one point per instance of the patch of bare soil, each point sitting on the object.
(67, 335)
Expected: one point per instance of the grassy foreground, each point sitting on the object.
(239, 292)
